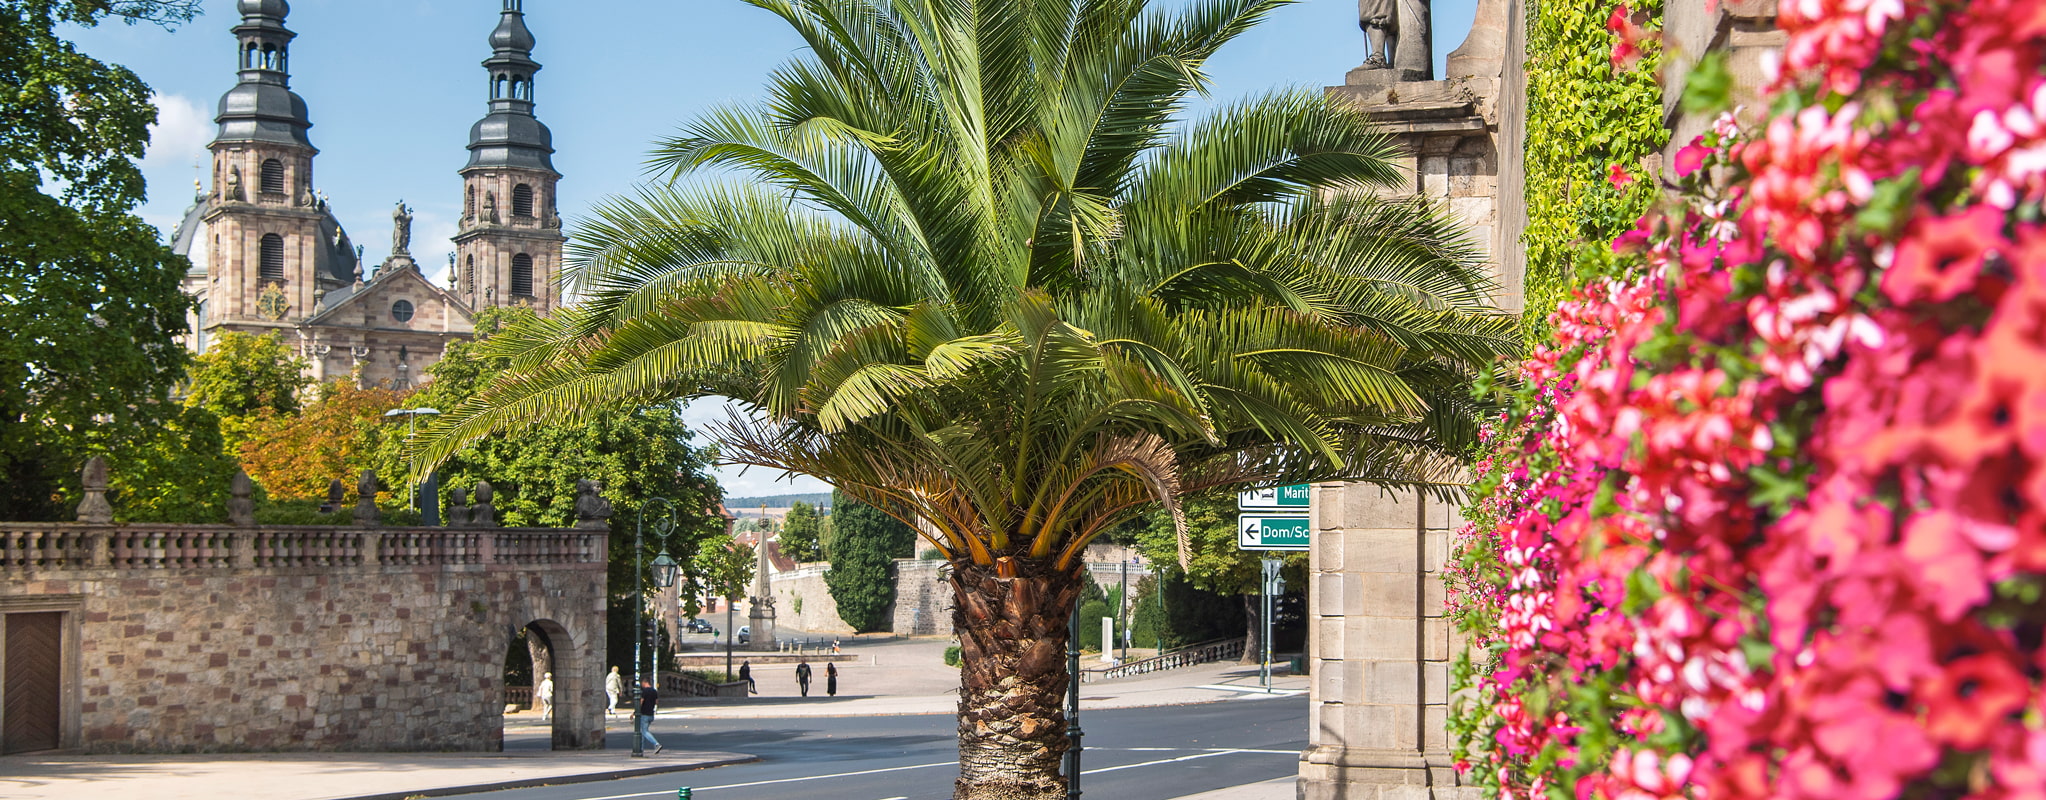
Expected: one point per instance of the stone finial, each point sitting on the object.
(241, 501)
(337, 494)
(458, 508)
(366, 499)
(592, 511)
(483, 514)
(94, 508)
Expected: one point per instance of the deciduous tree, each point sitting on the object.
(799, 534)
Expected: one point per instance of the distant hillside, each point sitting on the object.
(777, 501)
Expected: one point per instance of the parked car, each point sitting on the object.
(745, 634)
(699, 626)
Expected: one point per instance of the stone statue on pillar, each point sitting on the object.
(761, 618)
(1396, 39)
(401, 230)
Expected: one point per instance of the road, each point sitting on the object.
(1132, 754)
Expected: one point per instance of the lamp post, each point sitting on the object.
(411, 415)
(1073, 702)
(664, 577)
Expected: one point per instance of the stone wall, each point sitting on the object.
(196, 639)
(819, 612)
(923, 598)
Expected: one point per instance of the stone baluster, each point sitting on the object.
(10, 549)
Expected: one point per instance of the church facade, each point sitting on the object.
(269, 256)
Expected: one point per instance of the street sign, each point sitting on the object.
(1271, 532)
(1275, 498)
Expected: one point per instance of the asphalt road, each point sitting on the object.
(1132, 754)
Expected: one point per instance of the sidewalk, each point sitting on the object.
(1274, 789)
(326, 776)
(939, 693)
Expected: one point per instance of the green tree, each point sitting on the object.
(977, 272)
(722, 567)
(862, 576)
(242, 374)
(89, 296)
(1213, 562)
(799, 534)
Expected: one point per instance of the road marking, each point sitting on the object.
(1252, 690)
(1162, 761)
(1210, 753)
(671, 792)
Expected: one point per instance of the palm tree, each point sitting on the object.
(966, 264)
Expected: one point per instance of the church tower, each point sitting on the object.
(508, 250)
(272, 248)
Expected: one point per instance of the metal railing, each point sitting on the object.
(77, 546)
(1203, 653)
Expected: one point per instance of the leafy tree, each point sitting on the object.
(978, 274)
(242, 375)
(89, 297)
(722, 567)
(862, 576)
(799, 534)
(1214, 563)
(337, 435)
(181, 472)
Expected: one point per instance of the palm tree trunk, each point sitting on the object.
(1012, 680)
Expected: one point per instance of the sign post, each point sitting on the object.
(1275, 519)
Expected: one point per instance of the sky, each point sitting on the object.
(393, 86)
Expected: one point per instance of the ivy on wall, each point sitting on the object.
(1588, 112)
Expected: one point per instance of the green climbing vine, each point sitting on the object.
(1586, 114)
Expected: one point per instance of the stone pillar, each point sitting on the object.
(1379, 647)
(761, 617)
(95, 509)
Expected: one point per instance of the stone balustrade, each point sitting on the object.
(34, 546)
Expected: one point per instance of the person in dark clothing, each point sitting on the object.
(831, 679)
(649, 697)
(803, 677)
(746, 674)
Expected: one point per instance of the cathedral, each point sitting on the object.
(268, 255)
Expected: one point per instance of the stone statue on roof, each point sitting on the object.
(401, 230)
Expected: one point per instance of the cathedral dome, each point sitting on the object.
(265, 8)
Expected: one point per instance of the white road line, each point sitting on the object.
(1210, 753)
(1161, 761)
(669, 792)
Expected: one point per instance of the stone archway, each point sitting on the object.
(577, 700)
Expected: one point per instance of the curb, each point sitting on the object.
(559, 780)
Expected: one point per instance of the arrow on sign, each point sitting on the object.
(1249, 536)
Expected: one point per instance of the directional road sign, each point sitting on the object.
(1292, 498)
(1271, 532)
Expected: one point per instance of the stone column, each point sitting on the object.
(761, 618)
(1379, 647)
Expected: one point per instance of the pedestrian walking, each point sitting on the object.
(649, 697)
(803, 677)
(614, 685)
(746, 674)
(543, 696)
(831, 679)
(834, 645)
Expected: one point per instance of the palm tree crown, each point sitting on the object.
(972, 272)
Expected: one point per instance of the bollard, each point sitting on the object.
(682, 793)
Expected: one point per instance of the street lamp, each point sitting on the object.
(411, 415)
(664, 577)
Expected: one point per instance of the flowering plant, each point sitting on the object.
(1769, 516)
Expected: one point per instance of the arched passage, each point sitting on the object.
(577, 715)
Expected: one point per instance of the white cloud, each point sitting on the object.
(739, 481)
(177, 142)
(432, 244)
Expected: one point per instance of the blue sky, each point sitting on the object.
(393, 86)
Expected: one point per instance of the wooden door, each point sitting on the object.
(28, 699)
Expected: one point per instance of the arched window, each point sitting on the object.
(273, 257)
(273, 176)
(518, 88)
(497, 87)
(522, 201)
(469, 275)
(269, 57)
(199, 328)
(469, 203)
(249, 56)
(522, 275)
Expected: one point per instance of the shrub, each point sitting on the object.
(952, 656)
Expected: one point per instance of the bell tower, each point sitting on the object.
(264, 225)
(508, 250)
